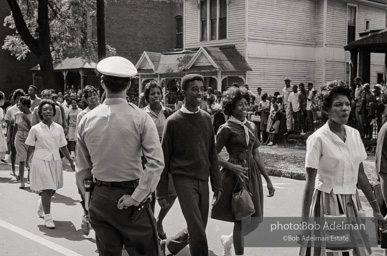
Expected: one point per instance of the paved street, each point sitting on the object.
(23, 233)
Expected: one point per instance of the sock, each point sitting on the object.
(6, 157)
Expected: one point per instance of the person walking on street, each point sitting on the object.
(22, 127)
(45, 139)
(111, 140)
(334, 167)
(190, 156)
(10, 120)
(35, 100)
(153, 94)
(239, 137)
(3, 141)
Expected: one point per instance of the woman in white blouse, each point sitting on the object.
(44, 141)
(334, 165)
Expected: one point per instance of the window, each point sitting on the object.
(213, 19)
(351, 31)
(367, 25)
(179, 32)
(203, 20)
(222, 19)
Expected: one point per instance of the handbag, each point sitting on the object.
(242, 204)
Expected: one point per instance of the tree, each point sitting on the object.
(51, 29)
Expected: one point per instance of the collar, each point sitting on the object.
(333, 135)
(149, 110)
(186, 111)
(114, 101)
(45, 125)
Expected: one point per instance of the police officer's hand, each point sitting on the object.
(126, 201)
(163, 203)
(216, 197)
(72, 164)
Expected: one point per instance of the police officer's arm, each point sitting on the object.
(153, 154)
(83, 164)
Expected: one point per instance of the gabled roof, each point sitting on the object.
(71, 64)
(174, 63)
(224, 58)
(149, 61)
(376, 41)
(228, 58)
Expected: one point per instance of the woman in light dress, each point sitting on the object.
(45, 139)
(23, 120)
(72, 121)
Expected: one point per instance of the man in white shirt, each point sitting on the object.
(285, 95)
(360, 106)
(294, 106)
(258, 98)
(35, 100)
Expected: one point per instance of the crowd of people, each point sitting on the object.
(163, 154)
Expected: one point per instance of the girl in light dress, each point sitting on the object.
(23, 120)
(72, 121)
(45, 139)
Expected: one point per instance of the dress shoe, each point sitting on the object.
(48, 221)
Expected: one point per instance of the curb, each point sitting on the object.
(286, 174)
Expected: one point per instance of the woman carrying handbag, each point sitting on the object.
(238, 135)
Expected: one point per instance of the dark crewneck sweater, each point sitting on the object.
(189, 150)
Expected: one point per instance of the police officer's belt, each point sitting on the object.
(122, 184)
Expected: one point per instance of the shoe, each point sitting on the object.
(6, 159)
(48, 221)
(270, 143)
(286, 133)
(85, 225)
(3, 161)
(302, 133)
(22, 186)
(40, 208)
(227, 245)
(28, 181)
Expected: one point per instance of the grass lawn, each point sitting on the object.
(294, 163)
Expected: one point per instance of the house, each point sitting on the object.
(131, 26)
(303, 39)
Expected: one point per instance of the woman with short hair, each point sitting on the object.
(153, 94)
(45, 139)
(334, 168)
(238, 135)
(23, 120)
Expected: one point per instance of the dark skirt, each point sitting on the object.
(223, 209)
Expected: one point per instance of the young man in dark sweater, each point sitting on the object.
(190, 156)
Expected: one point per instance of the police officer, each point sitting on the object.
(111, 140)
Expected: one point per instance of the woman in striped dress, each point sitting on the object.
(334, 166)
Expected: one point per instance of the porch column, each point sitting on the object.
(219, 81)
(33, 78)
(365, 66)
(139, 85)
(353, 69)
(82, 73)
(64, 73)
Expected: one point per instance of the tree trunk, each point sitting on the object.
(101, 29)
(45, 58)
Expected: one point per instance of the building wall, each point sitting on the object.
(235, 26)
(14, 73)
(135, 26)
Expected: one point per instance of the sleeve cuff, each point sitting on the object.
(140, 194)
